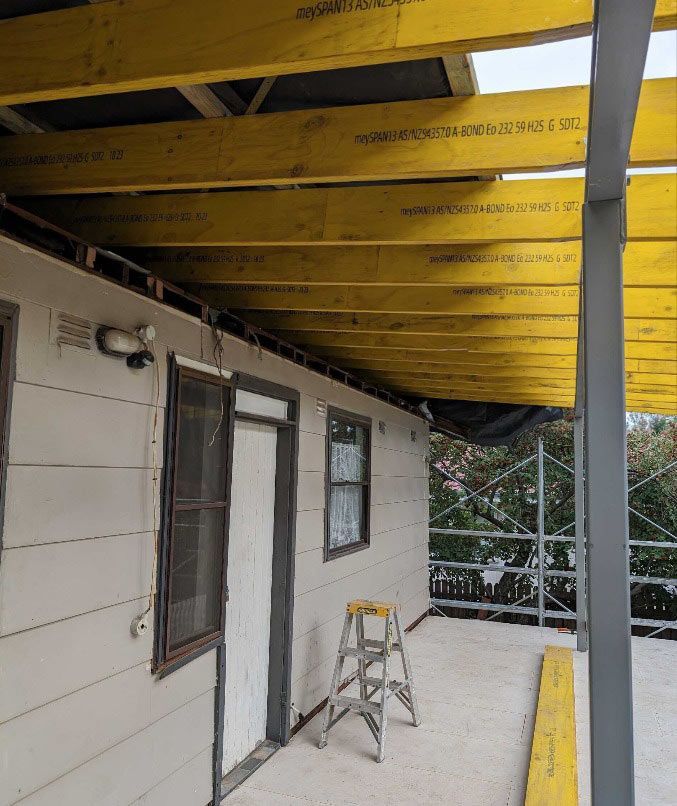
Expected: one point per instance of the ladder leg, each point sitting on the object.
(336, 680)
(385, 690)
(408, 676)
(361, 663)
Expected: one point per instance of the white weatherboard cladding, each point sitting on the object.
(250, 575)
(79, 519)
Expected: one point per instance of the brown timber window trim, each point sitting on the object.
(172, 654)
(9, 317)
(346, 419)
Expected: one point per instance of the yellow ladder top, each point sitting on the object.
(366, 607)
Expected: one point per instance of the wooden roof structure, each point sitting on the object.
(363, 225)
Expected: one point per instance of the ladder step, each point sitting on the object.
(394, 685)
(374, 644)
(354, 652)
(355, 704)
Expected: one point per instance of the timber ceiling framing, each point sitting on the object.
(340, 218)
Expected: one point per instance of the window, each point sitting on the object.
(348, 483)
(194, 541)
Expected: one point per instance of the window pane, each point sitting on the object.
(346, 516)
(201, 467)
(349, 451)
(195, 575)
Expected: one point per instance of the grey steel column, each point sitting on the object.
(606, 509)
(621, 31)
(540, 533)
(581, 605)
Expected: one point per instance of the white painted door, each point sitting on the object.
(250, 574)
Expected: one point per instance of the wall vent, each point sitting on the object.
(70, 330)
(321, 407)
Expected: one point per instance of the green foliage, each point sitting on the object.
(652, 444)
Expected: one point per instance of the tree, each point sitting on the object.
(512, 506)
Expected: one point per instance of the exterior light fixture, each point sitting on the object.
(122, 344)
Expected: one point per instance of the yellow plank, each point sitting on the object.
(639, 400)
(635, 401)
(355, 326)
(519, 380)
(563, 401)
(442, 374)
(437, 374)
(457, 212)
(660, 303)
(553, 772)
(374, 344)
(478, 134)
(117, 47)
(450, 356)
(645, 263)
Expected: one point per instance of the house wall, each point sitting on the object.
(82, 719)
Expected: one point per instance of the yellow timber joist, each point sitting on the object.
(547, 358)
(645, 263)
(644, 399)
(493, 365)
(478, 134)
(654, 303)
(493, 332)
(121, 46)
(457, 212)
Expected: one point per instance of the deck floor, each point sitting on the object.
(477, 684)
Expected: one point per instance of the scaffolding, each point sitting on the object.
(539, 539)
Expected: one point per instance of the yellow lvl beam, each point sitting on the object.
(118, 47)
(658, 303)
(548, 358)
(552, 399)
(439, 374)
(645, 263)
(564, 401)
(526, 393)
(479, 134)
(353, 328)
(460, 212)
(553, 771)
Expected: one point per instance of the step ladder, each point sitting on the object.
(369, 650)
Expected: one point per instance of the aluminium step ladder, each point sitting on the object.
(369, 650)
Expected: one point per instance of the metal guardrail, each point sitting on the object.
(540, 572)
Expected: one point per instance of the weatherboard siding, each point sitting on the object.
(83, 718)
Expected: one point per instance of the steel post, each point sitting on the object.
(540, 534)
(581, 605)
(621, 32)
(606, 509)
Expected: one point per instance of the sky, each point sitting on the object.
(560, 64)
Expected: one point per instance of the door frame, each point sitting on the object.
(282, 598)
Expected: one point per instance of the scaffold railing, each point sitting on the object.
(539, 572)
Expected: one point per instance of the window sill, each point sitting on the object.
(344, 551)
(162, 670)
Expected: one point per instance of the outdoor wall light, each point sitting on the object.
(122, 344)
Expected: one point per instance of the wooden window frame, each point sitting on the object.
(364, 542)
(9, 318)
(164, 660)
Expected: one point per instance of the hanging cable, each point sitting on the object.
(218, 361)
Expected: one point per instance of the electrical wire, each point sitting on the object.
(218, 361)
(156, 483)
